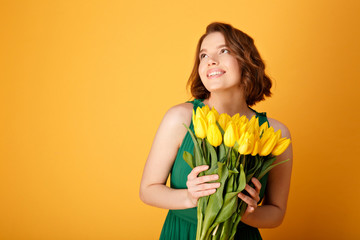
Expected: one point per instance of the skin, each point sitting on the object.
(226, 96)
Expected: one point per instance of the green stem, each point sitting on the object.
(228, 157)
(204, 149)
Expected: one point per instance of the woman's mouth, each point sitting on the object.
(215, 73)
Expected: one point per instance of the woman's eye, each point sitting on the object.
(224, 50)
(202, 56)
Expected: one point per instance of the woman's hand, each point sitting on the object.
(253, 199)
(199, 186)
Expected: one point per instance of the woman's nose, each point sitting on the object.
(212, 61)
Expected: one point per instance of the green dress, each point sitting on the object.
(181, 224)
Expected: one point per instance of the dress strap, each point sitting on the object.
(197, 103)
(262, 117)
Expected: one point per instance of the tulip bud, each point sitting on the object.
(223, 120)
(230, 136)
(256, 148)
(243, 119)
(256, 125)
(215, 113)
(246, 143)
(205, 109)
(200, 113)
(266, 135)
(278, 134)
(281, 146)
(268, 146)
(200, 128)
(235, 118)
(214, 135)
(252, 122)
(242, 129)
(211, 118)
(263, 127)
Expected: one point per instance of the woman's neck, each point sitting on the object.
(230, 104)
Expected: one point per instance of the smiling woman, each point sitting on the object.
(228, 75)
(216, 78)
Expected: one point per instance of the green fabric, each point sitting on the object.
(181, 224)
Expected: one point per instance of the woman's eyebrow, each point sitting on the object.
(220, 46)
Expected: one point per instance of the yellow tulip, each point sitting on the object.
(200, 128)
(243, 119)
(278, 135)
(246, 143)
(235, 118)
(242, 128)
(263, 127)
(215, 113)
(211, 118)
(230, 135)
(200, 113)
(252, 122)
(256, 125)
(256, 148)
(214, 135)
(266, 135)
(268, 146)
(251, 127)
(281, 146)
(223, 120)
(205, 109)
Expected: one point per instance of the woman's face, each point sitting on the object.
(218, 68)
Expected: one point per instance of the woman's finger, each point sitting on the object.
(251, 202)
(195, 172)
(206, 178)
(204, 193)
(205, 186)
(253, 193)
(257, 184)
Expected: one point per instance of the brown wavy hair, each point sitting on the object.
(253, 78)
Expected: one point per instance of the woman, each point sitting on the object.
(228, 75)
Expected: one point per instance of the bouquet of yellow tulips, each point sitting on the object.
(236, 149)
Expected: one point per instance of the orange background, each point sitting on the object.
(85, 84)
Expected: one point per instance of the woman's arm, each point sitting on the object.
(153, 189)
(271, 213)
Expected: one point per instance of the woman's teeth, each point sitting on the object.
(215, 73)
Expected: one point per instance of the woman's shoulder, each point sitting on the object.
(182, 110)
(276, 124)
(179, 114)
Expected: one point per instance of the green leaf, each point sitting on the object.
(242, 179)
(228, 208)
(188, 157)
(236, 222)
(200, 217)
(220, 128)
(236, 146)
(212, 170)
(227, 227)
(270, 167)
(199, 157)
(234, 157)
(267, 163)
(222, 153)
(215, 202)
(212, 154)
